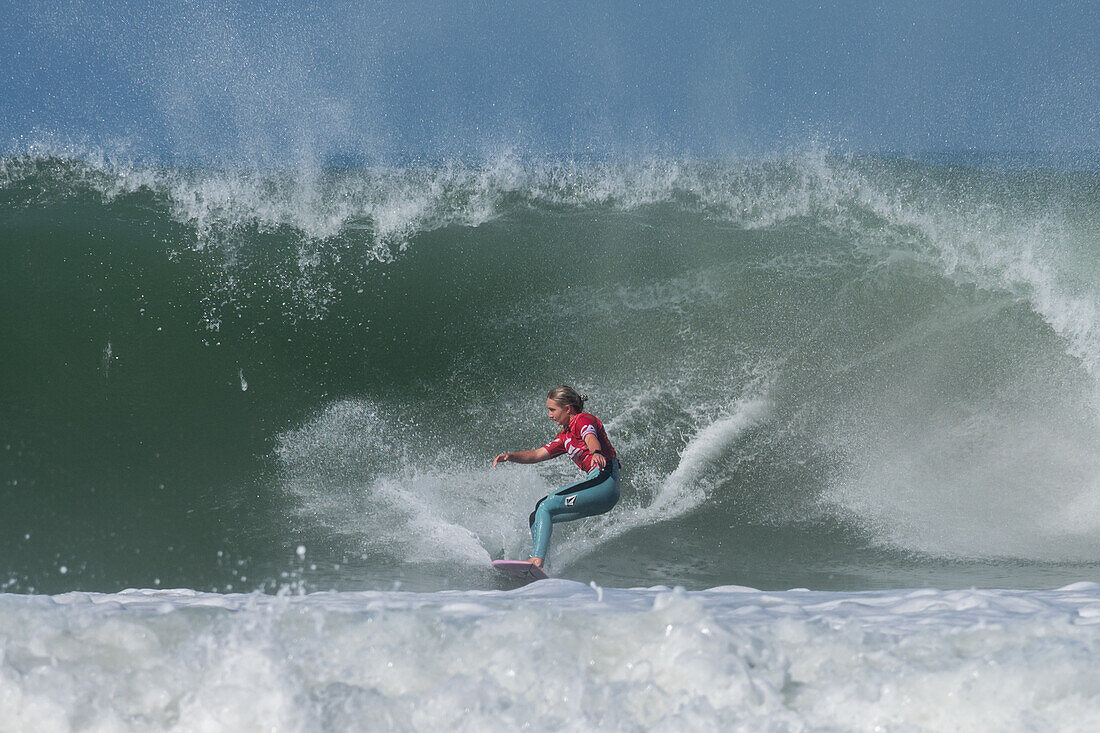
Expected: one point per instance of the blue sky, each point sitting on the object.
(270, 82)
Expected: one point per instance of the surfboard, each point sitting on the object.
(520, 569)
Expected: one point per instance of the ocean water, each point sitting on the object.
(247, 418)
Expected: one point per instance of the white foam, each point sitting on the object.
(553, 655)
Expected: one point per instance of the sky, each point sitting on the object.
(270, 82)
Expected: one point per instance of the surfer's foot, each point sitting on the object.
(536, 561)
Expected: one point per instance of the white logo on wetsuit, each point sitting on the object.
(570, 500)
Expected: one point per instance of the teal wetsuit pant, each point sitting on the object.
(595, 494)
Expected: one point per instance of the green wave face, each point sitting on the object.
(818, 371)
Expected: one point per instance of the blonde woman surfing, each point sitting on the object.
(584, 440)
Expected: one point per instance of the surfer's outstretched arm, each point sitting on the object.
(523, 456)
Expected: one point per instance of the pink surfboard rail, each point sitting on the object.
(520, 569)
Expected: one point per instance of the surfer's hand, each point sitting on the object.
(502, 458)
(599, 460)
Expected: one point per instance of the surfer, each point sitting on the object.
(583, 438)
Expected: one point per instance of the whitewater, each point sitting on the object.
(555, 655)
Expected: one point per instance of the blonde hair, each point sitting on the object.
(566, 396)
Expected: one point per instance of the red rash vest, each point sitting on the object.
(571, 441)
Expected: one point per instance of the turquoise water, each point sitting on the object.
(819, 371)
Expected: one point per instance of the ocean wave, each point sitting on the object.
(904, 351)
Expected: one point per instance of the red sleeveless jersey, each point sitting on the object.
(571, 441)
